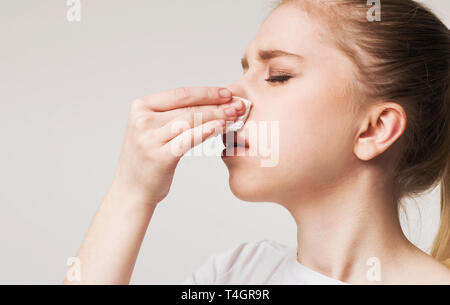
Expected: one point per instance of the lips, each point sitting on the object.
(234, 139)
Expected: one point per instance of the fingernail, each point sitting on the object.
(238, 105)
(225, 93)
(230, 111)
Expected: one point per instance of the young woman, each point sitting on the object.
(364, 112)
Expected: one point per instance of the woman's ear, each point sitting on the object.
(383, 125)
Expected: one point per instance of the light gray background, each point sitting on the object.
(65, 93)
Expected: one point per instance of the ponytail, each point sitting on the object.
(441, 246)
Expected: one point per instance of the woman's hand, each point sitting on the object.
(161, 128)
(164, 126)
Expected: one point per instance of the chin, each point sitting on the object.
(251, 186)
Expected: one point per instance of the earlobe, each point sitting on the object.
(385, 123)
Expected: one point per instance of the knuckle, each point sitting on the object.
(140, 122)
(211, 93)
(191, 118)
(218, 111)
(136, 104)
(142, 119)
(187, 119)
(180, 125)
(199, 114)
(182, 93)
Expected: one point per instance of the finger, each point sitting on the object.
(235, 103)
(186, 96)
(192, 137)
(196, 116)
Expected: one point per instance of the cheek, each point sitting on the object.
(314, 146)
(315, 137)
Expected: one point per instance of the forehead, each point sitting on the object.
(287, 28)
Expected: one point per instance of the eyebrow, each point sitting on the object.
(266, 55)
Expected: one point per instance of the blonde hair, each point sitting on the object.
(404, 57)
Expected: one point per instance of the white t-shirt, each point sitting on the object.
(262, 262)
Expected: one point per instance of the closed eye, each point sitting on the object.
(278, 78)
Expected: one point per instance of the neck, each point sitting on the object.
(340, 229)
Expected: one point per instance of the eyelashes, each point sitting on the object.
(278, 78)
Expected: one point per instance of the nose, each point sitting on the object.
(240, 89)
(240, 86)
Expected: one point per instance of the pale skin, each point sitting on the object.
(334, 172)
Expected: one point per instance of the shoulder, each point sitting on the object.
(434, 272)
(241, 258)
(423, 269)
